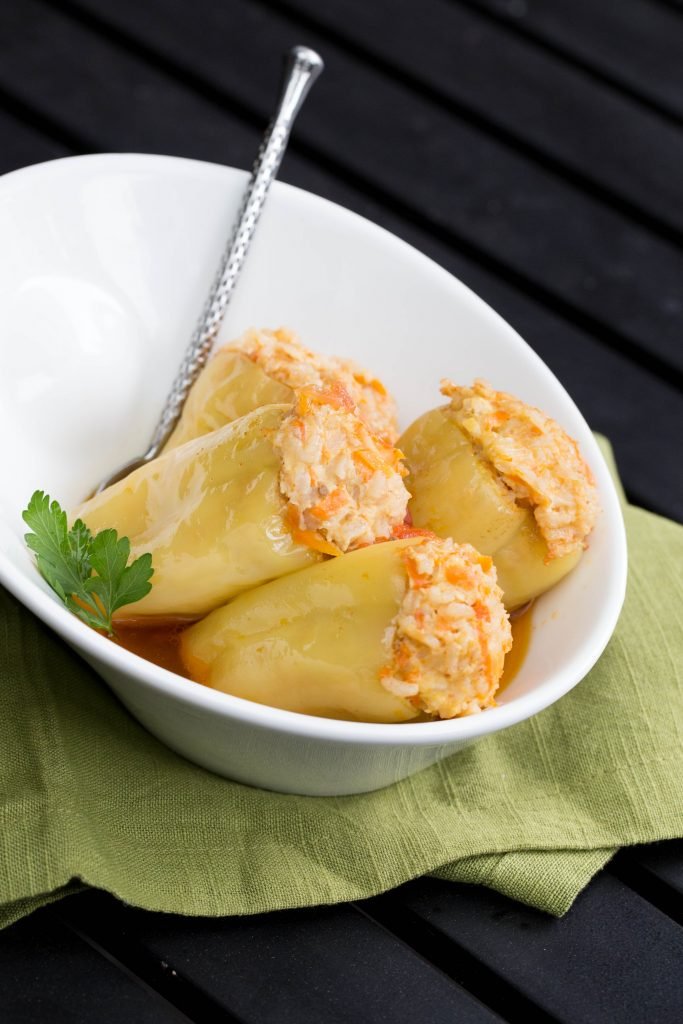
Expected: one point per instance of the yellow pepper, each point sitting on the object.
(211, 514)
(456, 493)
(312, 642)
(230, 385)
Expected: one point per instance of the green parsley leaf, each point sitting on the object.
(90, 574)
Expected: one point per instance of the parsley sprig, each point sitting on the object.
(89, 573)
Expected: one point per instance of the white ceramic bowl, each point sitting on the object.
(104, 264)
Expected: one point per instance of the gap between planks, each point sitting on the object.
(452, 960)
(476, 119)
(156, 976)
(572, 59)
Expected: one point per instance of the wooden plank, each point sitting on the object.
(289, 967)
(610, 959)
(23, 144)
(633, 44)
(51, 974)
(665, 861)
(655, 872)
(571, 123)
(103, 99)
(643, 440)
(615, 278)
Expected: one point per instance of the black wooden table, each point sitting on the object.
(535, 149)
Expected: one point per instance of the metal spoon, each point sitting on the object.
(302, 67)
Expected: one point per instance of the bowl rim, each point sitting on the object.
(435, 734)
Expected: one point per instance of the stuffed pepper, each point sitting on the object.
(267, 366)
(393, 632)
(270, 493)
(490, 470)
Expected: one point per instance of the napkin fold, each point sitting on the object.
(88, 797)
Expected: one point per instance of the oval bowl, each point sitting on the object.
(104, 262)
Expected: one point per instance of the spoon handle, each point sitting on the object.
(301, 70)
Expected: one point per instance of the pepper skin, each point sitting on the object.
(458, 494)
(312, 642)
(211, 514)
(229, 386)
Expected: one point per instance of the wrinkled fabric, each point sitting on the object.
(88, 797)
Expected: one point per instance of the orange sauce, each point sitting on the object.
(157, 639)
(521, 635)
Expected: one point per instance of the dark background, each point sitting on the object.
(535, 149)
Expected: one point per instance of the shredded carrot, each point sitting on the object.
(458, 577)
(406, 530)
(300, 427)
(416, 579)
(482, 614)
(332, 503)
(370, 382)
(368, 459)
(310, 538)
(334, 394)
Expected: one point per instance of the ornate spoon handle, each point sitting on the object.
(302, 68)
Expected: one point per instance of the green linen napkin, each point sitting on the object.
(88, 797)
